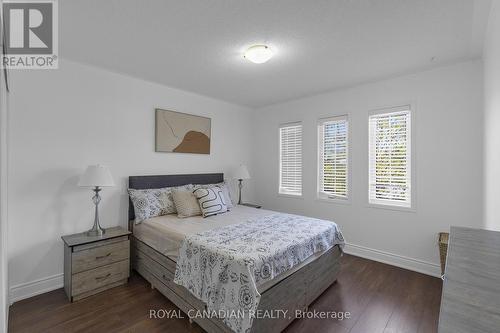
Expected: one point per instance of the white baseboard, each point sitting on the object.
(37, 287)
(416, 265)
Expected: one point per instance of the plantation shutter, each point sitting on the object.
(333, 158)
(390, 157)
(291, 159)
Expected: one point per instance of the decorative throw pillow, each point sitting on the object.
(211, 200)
(185, 203)
(225, 192)
(153, 202)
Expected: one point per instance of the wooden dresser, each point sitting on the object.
(96, 263)
(471, 289)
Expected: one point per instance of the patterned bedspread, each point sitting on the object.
(223, 266)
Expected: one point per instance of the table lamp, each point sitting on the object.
(96, 176)
(240, 174)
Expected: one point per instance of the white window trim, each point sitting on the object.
(413, 192)
(288, 194)
(321, 197)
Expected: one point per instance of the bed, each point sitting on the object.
(158, 242)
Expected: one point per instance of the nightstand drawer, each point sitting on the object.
(99, 277)
(100, 256)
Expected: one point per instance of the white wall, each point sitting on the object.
(4, 308)
(448, 122)
(492, 119)
(61, 121)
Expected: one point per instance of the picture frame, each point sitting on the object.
(177, 132)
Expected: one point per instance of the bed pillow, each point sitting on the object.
(186, 203)
(225, 192)
(153, 202)
(211, 200)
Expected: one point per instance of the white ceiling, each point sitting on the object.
(197, 45)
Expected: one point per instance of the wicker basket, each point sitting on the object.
(443, 249)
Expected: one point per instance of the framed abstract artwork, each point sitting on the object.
(178, 132)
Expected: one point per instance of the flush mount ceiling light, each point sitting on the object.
(258, 54)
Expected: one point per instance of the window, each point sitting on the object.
(291, 159)
(390, 157)
(333, 158)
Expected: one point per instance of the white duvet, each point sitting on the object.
(223, 266)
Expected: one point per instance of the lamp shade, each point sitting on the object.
(96, 175)
(241, 173)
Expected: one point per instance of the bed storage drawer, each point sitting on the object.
(142, 261)
(156, 256)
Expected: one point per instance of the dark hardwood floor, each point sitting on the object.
(379, 297)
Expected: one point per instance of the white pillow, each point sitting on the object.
(186, 203)
(152, 202)
(225, 192)
(211, 200)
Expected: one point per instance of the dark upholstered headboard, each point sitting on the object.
(145, 182)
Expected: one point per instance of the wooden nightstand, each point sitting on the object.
(250, 205)
(96, 263)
